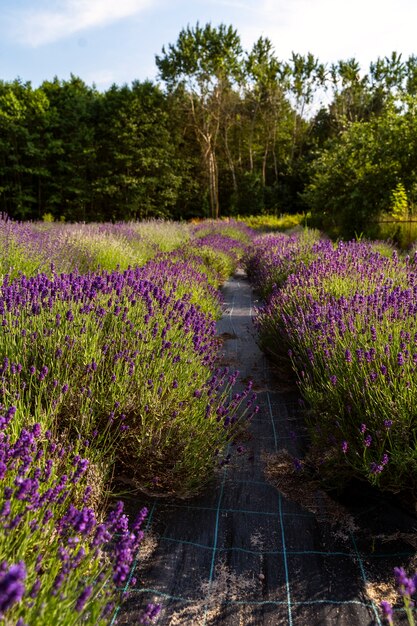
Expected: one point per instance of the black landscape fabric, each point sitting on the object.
(262, 545)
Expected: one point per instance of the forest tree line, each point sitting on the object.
(224, 131)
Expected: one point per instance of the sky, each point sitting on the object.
(115, 41)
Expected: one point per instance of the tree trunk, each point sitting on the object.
(213, 185)
(264, 161)
(230, 161)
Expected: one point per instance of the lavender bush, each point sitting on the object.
(121, 361)
(60, 562)
(31, 247)
(348, 321)
(275, 257)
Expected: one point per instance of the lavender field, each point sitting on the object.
(108, 377)
(111, 385)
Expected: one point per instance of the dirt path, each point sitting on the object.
(260, 547)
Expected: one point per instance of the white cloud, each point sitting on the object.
(41, 26)
(333, 29)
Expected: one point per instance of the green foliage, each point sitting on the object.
(399, 202)
(71, 153)
(232, 133)
(204, 63)
(352, 179)
(180, 451)
(136, 176)
(272, 222)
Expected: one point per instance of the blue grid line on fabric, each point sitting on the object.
(272, 423)
(365, 580)
(287, 579)
(214, 548)
(300, 602)
(212, 508)
(134, 565)
(248, 511)
(281, 552)
(167, 596)
(281, 519)
(256, 552)
(245, 511)
(385, 555)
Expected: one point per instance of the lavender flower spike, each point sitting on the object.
(12, 585)
(387, 611)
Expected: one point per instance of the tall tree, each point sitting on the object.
(204, 63)
(268, 105)
(136, 175)
(72, 160)
(24, 114)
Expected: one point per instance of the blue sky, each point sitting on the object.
(106, 41)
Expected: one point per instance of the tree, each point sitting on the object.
(137, 174)
(24, 114)
(352, 181)
(72, 155)
(204, 64)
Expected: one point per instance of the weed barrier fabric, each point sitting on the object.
(260, 547)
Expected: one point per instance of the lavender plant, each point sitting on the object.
(233, 229)
(272, 258)
(61, 563)
(118, 360)
(406, 587)
(348, 320)
(124, 359)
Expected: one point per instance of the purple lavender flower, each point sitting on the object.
(367, 441)
(83, 597)
(387, 611)
(12, 585)
(150, 614)
(406, 586)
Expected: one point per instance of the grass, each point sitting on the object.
(271, 223)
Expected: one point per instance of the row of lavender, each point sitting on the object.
(346, 316)
(107, 374)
